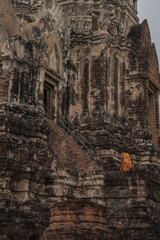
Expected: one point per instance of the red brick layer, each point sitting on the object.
(69, 154)
(77, 220)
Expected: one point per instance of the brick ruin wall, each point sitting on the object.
(105, 95)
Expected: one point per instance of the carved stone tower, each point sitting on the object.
(79, 84)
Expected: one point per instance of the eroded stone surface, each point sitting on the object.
(91, 64)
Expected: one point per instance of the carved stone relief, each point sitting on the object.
(109, 21)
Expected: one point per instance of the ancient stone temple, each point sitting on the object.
(79, 85)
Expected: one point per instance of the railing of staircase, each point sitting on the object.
(70, 130)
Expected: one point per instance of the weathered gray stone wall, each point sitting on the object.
(25, 169)
(105, 78)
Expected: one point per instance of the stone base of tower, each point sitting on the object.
(77, 220)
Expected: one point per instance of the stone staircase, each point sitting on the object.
(69, 130)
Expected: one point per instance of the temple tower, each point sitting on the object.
(79, 84)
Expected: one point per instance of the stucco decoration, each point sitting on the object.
(109, 21)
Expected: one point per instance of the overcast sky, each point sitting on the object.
(150, 10)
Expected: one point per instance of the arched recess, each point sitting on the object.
(53, 76)
(49, 55)
(54, 60)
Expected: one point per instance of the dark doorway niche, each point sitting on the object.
(46, 99)
(34, 237)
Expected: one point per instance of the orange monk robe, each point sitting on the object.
(126, 162)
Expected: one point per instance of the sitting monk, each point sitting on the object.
(126, 162)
